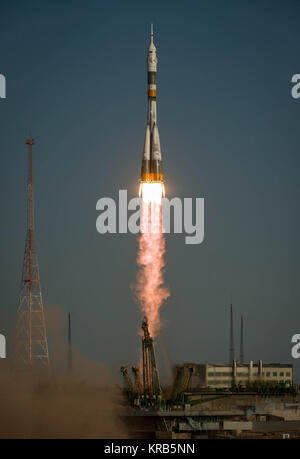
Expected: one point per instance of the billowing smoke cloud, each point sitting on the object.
(82, 404)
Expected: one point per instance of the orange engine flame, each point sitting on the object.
(150, 289)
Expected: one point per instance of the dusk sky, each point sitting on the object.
(229, 128)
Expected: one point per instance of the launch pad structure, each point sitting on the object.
(144, 392)
(194, 409)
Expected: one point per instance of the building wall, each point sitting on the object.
(219, 376)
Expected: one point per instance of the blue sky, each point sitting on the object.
(229, 128)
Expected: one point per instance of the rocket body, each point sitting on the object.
(152, 162)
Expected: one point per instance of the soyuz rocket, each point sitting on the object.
(152, 164)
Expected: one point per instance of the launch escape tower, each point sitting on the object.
(30, 347)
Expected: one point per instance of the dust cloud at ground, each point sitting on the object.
(82, 404)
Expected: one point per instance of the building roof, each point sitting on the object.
(255, 364)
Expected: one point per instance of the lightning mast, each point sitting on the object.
(31, 346)
(242, 341)
(69, 345)
(231, 348)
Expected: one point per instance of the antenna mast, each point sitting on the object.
(31, 346)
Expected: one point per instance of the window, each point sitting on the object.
(268, 374)
(274, 373)
(288, 373)
(281, 374)
(211, 374)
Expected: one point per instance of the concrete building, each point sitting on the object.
(217, 376)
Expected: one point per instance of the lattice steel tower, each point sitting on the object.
(31, 347)
(152, 389)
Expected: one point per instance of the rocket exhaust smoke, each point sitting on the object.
(85, 403)
(150, 289)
